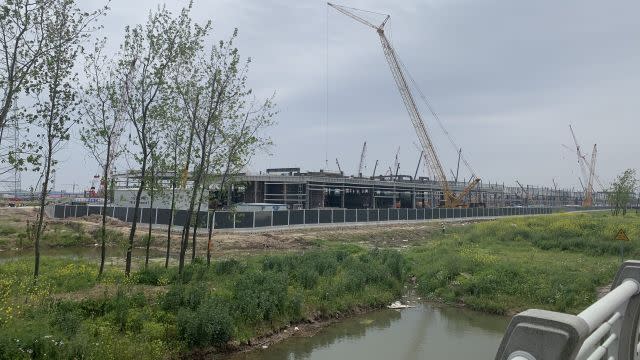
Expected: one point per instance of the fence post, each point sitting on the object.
(254, 220)
(126, 214)
(75, 212)
(332, 216)
(234, 220)
(304, 217)
(288, 217)
(271, 218)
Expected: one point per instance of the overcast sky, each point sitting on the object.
(506, 78)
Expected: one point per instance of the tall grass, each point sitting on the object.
(235, 299)
(553, 262)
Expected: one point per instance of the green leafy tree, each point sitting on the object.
(54, 112)
(622, 190)
(103, 124)
(146, 57)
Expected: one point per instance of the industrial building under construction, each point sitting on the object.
(311, 190)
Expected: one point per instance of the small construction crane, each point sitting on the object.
(525, 192)
(363, 154)
(374, 169)
(339, 168)
(588, 170)
(415, 176)
(451, 200)
(588, 197)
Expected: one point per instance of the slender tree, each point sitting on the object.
(103, 124)
(147, 55)
(622, 191)
(56, 102)
(241, 143)
(218, 77)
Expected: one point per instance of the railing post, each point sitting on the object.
(542, 335)
(628, 337)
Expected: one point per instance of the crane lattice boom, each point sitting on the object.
(588, 197)
(363, 154)
(430, 155)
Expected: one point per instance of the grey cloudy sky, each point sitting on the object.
(506, 77)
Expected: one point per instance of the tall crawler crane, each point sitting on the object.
(451, 199)
(363, 155)
(588, 194)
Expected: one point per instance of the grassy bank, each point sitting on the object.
(552, 262)
(501, 266)
(156, 313)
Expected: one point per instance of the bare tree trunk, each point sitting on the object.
(195, 226)
(209, 243)
(173, 207)
(151, 195)
(43, 199)
(103, 230)
(187, 224)
(132, 233)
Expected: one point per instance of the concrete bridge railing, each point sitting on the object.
(608, 329)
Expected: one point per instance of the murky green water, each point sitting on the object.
(424, 332)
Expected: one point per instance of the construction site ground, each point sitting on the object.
(385, 235)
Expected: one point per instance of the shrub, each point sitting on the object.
(67, 316)
(210, 324)
(153, 275)
(228, 267)
(185, 295)
(260, 296)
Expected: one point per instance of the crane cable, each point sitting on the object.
(424, 98)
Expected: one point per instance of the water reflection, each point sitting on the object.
(424, 332)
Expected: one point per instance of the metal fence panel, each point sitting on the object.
(95, 210)
(244, 219)
(383, 214)
(281, 218)
(373, 214)
(338, 216)
(296, 217)
(412, 214)
(222, 220)
(394, 214)
(120, 213)
(146, 213)
(180, 218)
(69, 210)
(350, 215)
(311, 216)
(164, 216)
(262, 218)
(325, 216)
(58, 211)
(428, 213)
(419, 214)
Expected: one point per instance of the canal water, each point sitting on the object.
(421, 333)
